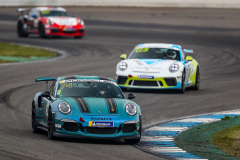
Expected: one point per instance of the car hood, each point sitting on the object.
(95, 106)
(64, 20)
(149, 65)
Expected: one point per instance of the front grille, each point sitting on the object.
(54, 30)
(145, 83)
(160, 83)
(70, 31)
(130, 82)
(69, 126)
(170, 81)
(128, 128)
(81, 30)
(121, 79)
(98, 130)
(81, 127)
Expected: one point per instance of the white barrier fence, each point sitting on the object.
(127, 3)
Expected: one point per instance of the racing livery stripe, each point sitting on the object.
(104, 78)
(70, 77)
(87, 104)
(82, 105)
(112, 107)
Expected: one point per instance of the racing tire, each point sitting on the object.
(135, 141)
(78, 37)
(20, 30)
(50, 125)
(41, 31)
(183, 85)
(197, 80)
(34, 122)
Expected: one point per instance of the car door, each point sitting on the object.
(188, 65)
(46, 102)
(33, 19)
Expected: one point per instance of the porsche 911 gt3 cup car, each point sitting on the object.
(86, 107)
(49, 21)
(158, 66)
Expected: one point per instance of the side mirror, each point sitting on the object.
(73, 16)
(123, 56)
(131, 96)
(189, 58)
(46, 94)
(34, 16)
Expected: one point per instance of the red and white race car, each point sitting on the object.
(49, 21)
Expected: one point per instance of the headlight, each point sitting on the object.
(174, 68)
(80, 22)
(131, 109)
(123, 66)
(64, 108)
(49, 21)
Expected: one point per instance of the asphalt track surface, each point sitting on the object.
(213, 34)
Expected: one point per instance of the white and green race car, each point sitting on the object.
(158, 66)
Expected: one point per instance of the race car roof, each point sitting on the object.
(50, 8)
(159, 45)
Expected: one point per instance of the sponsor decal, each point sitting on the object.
(100, 118)
(87, 80)
(141, 50)
(145, 77)
(112, 107)
(138, 62)
(82, 104)
(69, 29)
(58, 92)
(100, 124)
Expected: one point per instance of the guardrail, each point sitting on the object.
(127, 3)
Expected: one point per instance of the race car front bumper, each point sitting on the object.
(54, 30)
(155, 83)
(65, 126)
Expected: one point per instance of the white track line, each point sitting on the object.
(156, 138)
(203, 120)
(179, 129)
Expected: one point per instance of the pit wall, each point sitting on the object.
(127, 3)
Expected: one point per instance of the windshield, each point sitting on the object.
(155, 53)
(52, 13)
(91, 88)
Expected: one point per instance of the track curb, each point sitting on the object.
(159, 139)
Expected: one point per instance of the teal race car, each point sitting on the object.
(86, 107)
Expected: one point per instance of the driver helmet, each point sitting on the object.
(103, 88)
(172, 54)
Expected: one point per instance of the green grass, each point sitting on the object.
(7, 49)
(228, 140)
(2, 61)
(228, 117)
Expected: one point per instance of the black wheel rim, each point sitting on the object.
(33, 117)
(20, 28)
(49, 123)
(41, 30)
(183, 81)
(198, 80)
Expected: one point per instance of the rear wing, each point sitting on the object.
(21, 10)
(45, 79)
(188, 50)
